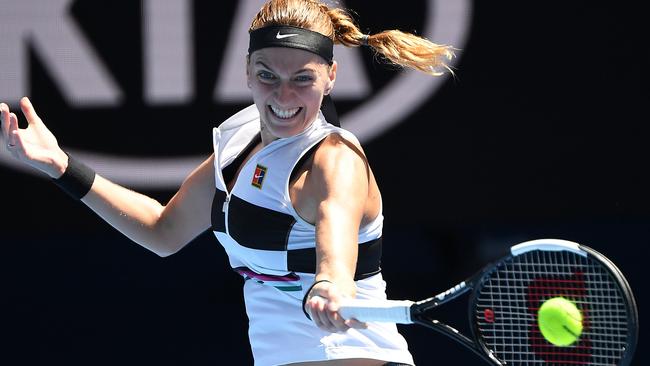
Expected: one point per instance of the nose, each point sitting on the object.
(283, 94)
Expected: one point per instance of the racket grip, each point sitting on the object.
(391, 311)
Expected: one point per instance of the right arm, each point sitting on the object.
(163, 229)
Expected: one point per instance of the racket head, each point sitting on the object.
(503, 306)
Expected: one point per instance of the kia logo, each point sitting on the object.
(167, 31)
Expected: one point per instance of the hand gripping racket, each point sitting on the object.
(506, 295)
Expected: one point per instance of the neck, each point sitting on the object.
(267, 137)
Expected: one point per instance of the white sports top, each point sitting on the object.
(274, 250)
(256, 222)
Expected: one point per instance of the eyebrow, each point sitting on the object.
(263, 64)
(297, 72)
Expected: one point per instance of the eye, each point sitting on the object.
(304, 78)
(265, 76)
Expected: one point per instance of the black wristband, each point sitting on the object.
(304, 298)
(77, 179)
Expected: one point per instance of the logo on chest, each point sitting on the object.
(258, 176)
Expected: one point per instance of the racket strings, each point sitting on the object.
(507, 304)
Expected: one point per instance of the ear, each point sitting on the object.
(331, 78)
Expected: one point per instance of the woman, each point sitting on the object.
(289, 196)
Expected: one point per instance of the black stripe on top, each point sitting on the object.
(258, 227)
(228, 174)
(218, 217)
(368, 260)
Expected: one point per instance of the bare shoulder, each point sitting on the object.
(335, 146)
(202, 177)
(339, 161)
(206, 168)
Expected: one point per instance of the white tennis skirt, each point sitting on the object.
(280, 333)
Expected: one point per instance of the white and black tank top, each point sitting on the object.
(256, 222)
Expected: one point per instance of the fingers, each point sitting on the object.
(4, 119)
(353, 323)
(9, 127)
(339, 322)
(325, 318)
(28, 111)
(316, 307)
(323, 307)
(13, 140)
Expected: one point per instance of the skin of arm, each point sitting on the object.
(162, 229)
(337, 185)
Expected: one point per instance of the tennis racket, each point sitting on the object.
(506, 294)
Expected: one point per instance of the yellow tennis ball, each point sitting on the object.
(560, 321)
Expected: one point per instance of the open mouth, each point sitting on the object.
(284, 113)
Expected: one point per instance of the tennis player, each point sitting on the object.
(289, 195)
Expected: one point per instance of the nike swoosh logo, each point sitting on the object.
(281, 36)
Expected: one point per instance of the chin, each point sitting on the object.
(281, 128)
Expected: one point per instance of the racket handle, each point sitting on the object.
(391, 311)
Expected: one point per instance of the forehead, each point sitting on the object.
(287, 58)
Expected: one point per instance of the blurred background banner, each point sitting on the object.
(166, 59)
(542, 132)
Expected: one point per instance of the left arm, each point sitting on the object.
(338, 184)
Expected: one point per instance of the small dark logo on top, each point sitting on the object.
(258, 176)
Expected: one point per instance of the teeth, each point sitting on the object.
(284, 114)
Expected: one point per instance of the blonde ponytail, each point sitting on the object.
(394, 46)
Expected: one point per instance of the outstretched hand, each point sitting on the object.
(34, 145)
(323, 304)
